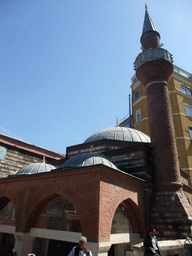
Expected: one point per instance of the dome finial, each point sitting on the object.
(117, 121)
(145, 6)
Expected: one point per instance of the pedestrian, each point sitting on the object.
(151, 244)
(81, 250)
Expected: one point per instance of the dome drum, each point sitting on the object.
(109, 139)
(119, 134)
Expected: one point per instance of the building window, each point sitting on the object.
(188, 110)
(190, 132)
(138, 115)
(186, 90)
(7, 212)
(137, 95)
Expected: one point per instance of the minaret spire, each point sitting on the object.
(148, 24)
(150, 37)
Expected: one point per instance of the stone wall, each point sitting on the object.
(15, 160)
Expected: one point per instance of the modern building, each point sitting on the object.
(111, 188)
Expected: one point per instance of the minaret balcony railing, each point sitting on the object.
(152, 54)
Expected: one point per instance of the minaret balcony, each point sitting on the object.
(152, 54)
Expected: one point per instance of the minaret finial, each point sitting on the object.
(145, 6)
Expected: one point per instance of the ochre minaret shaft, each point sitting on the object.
(153, 68)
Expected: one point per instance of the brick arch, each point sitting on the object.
(37, 200)
(4, 201)
(134, 212)
(33, 217)
(7, 197)
(134, 215)
(16, 196)
(109, 206)
(138, 225)
(37, 209)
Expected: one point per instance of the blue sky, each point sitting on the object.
(66, 65)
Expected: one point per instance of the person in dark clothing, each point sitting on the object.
(81, 250)
(13, 252)
(151, 244)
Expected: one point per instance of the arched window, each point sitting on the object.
(121, 223)
(59, 214)
(8, 212)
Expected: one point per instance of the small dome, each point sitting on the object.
(35, 168)
(87, 159)
(120, 133)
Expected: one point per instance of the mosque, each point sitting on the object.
(111, 188)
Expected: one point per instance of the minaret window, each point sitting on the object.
(190, 132)
(188, 110)
(138, 115)
(137, 95)
(186, 90)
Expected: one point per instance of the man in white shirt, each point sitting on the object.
(81, 250)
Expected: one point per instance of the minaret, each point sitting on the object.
(170, 212)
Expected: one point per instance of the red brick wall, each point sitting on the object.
(150, 40)
(114, 189)
(94, 192)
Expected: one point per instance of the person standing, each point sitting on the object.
(81, 250)
(151, 244)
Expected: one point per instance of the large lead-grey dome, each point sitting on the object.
(87, 159)
(35, 168)
(119, 133)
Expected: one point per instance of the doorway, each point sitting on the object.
(111, 251)
(57, 247)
